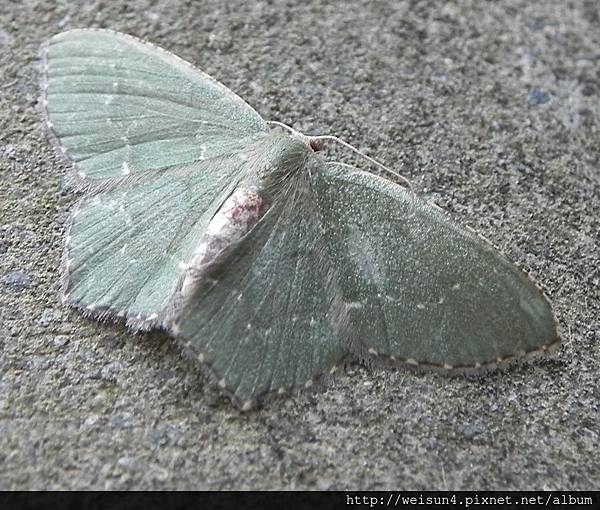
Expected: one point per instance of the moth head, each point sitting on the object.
(316, 144)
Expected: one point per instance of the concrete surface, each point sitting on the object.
(492, 108)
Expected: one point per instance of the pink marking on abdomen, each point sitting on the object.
(236, 217)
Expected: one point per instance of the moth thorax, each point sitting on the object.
(235, 218)
(283, 157)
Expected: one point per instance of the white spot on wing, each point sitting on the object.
(125, 168)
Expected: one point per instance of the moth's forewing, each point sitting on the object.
(418, 287)
(127, 244)
(262, 320)
(117, 105)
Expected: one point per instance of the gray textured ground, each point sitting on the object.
(492, 108)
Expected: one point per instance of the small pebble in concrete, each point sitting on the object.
(538, 97)
(470, 430)
(17, 280)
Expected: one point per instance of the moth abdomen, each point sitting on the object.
(234, 219)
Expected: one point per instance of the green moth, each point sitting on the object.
(270, 265)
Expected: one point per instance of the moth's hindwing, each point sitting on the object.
(128, 243)
(117, 105)
(420, 289)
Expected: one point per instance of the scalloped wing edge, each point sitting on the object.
(315, 384)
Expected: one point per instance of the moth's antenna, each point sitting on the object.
(368, 158)
(289, 128)
(309, 138)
